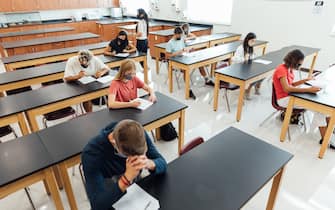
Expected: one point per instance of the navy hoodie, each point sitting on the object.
(101, 165)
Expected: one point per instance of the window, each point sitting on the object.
(133, 5)
(210, 11)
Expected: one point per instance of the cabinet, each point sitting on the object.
(24, 5)
(48, 4)
(88, 4)
(5, 6)
(69, 4)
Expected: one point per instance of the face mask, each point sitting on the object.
(179, 38)
(117, 153)
(84, 65)
(128, 77)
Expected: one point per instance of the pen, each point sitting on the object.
(147, 206)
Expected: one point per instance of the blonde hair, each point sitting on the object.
(127, 65)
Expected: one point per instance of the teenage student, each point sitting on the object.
(176, 46)
(84, 64)
(120, 45)
(142, 31)
(283, 81)
(114, 159)
(123, 89)
(187, 34)
(245, 53)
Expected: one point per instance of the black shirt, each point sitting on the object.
(118, 45)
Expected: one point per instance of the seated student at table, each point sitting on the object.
(176, 46)
(84, 64)
(245, 53)
(123, 88)
(120, 45)
(114, 159)
(187, 34)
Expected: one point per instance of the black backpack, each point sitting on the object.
(168, 132)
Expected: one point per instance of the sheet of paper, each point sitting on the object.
(144, 103)
(317, 83)
(105, 79)
(265, 62)
(137, 199)
(122, 55)
(87, 79)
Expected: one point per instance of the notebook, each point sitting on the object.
(265, 62)
(137, 199)
(105, 79)
(122, 55)
(87, 79)
(144, 103)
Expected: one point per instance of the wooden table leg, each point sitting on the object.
(68, 186)
(274, 190)
(51, 182)
(145, 69)
(22, 124)
(240, 102)
(181, 130)
(311, 70)
(327, 136)
(187, 83)
(170, 77)
(58, 177)
(287, 118)
(158, 134)
(216, 92)
(157, 64)
(264, 50)
(32, 121)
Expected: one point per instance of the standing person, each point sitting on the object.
(187, 34)
(114, 160)
(142, 31)
(84, 64)
(120, 45)
(123, 88)
(245, 53)
(176, 46)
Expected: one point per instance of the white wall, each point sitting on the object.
(280, 22)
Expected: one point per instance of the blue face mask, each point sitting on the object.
(128, 77)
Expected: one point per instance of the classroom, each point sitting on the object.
(167, 104)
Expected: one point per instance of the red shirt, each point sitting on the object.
(282, 71)
(125, 91)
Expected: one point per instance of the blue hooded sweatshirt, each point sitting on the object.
(101, 166)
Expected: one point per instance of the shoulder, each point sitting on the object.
(72, 60)
(281, 70)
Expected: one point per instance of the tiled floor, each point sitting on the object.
(308, 184)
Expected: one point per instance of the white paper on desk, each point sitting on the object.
(317, 83)
(122, 55)
(144, 103)
(87, 79)
(265, 62)
(105, 79)
(137, 199)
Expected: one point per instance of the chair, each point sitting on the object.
(280, 109)
(226, 86)
(6, 130)
(191, 145)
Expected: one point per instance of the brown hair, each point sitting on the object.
(125, 66)
(129, 136)
(292, 59)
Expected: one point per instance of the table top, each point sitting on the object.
(170, 32)
(245, 71)
(47, 40)
(223, 173)
(37, 31)
(203, 39)
(50, 53)
(22, 157)
(76, 133)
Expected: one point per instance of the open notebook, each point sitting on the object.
(89, 79)
(144, 103)
(137, 199)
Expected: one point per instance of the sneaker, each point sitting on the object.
(209, 82)
(192, 95)
(332, 143)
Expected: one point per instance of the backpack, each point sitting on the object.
(168, 132)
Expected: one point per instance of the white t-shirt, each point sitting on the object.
(239, 55)
(142, 27)
(73, 67)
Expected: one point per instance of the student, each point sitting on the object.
(245, 53)
(84, 64)
(120, 45)
(176, 46)
(142, 31)
(123, 88)
(187, 34)
(114, 159)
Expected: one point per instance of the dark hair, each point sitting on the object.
(246, 47)
(130, 137)
(122, 33)
(292, 58)
(178, 30)
(146, 18)
(186, 25)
